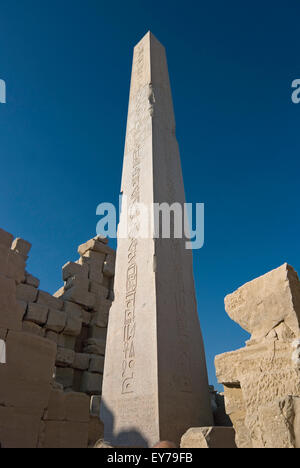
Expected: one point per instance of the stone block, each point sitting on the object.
(97, 333)
(15, 267)
(22, 247)
(52, 336)
(10, 311)
(56, 320)
(71, 269)
(50, 301)
(208, 437)
(19, 427)
(91, 383)
(73, 310)
(77, 407)
(23, 306)
(33, 328)
(96, 431)
(267, 301)
(26, 293)
(95, 403)
(56, 410)
(80, 296)
(66, 341)
(81, 361)
(66, 434)
(6, 238)
(65, 357)
(37, 313)
(64, 376)
(32, 280)
(94, 245)
(100, 318)
(77, 282)
(97, 364)
(109, 266)
(73, 326)
(3, 333)
(86, 317)
(93, 346)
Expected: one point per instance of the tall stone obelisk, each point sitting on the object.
(155, 382)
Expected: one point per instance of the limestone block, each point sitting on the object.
(26, 293)
(97, 333)
(19, 427)
(50, 301)
(56, 410)
(59, 293)
(56, 320)
(6, 238)
(22, 247)
(262, 304)
(65, 357)
(91, 383)
(73, 326)
(77, 282)
(208, 437)
(97, 364)
(95, 403)
(100, 318)
(94, 245)
(33, 328)
(71, 269)
(52, 336)
(37, 313)
(81, 361)
(96, 431)
(73, 309)
(86, 317)
(80, 296)
(11, 312)
(93, 346)
(109, 266)
(77, 407)
(66, 341)
(65, 434)
(15, 267)
(64, 376)
(3, 333)
(4, 253)
(23, 305)
(31, 280)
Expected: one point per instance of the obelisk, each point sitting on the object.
(155, 384)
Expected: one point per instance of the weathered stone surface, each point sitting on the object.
(164, 369)
(208, 437)
(73, 326)
(71, 269)
(94, 245)
(21, 246)
(34, 328)
(64, 376)
(95, 403)
(26, 293)
(109, 266)
(31, 280)
(65, 434)
(65, 357)
(11, 312)
(93, 346)
(50, 301)
(19, 427)
(97, 333)
(80, 295)
(15, 267)
(52, 336)
(56, 410)
(96, 431)
(6, 238)
(264, 303)
(82, 361)
(77, 407)
(262, 381)
(73, 310)
(97, 364)
(66, 341)
(56, 320)
(91, 383)
(37, 313)
(3, 333)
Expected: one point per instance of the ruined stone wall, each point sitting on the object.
(52, 348)
(262, 380)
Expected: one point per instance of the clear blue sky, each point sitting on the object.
(67, 68)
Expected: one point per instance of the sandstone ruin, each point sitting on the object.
(262, 380)
(52, 348)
